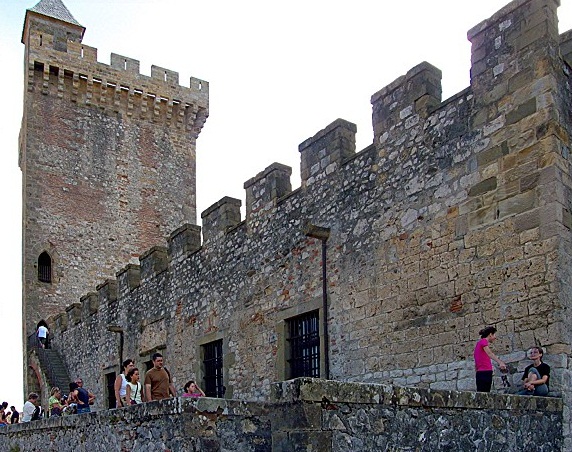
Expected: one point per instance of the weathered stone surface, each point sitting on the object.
(308, 414)
(456, 216)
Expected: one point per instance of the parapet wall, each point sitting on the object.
(457, 216)
(76, 74)
(308, 414)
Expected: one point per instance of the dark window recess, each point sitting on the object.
(45, 268)
(110, 380)
(304, 341)
(212, 362)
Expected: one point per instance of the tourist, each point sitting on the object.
(121, 383)
(90, 395)
(483, 359)
(42, 334)
(192, 390)
(55, 406)
(30, 407)
(15, 418)
(134, 388)
(80, 397)
(536, 375)
(158, 383)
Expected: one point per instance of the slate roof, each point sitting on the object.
(55, 9)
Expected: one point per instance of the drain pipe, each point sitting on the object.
(323, 234)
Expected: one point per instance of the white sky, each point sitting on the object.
(278, 71)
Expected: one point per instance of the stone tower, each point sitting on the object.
(107, 157)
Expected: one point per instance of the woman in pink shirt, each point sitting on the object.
(484, 357)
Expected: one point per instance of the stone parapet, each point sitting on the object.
(220, 217)
(405, 101)
(73, 312)
(184, 241)
(322, 154)
(265, 188)
(153, 262)
(308, 414)
(128, 278)
(90, 304)
(107, 291)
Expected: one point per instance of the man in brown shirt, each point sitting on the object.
(158, 383)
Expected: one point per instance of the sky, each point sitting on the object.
(278, 72)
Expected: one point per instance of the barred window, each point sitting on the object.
(212, 362)
(45, 268)
(304, 345)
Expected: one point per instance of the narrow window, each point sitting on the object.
(45, 268)
(304, 345)
(212, 362)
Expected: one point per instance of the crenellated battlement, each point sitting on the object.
(76, 75)
(456, 216)
(416, 136)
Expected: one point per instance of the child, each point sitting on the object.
(192, 390)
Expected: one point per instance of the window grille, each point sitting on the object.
(45, 268)
(304, 341)
(212, 361)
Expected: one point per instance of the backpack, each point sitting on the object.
(38, 413)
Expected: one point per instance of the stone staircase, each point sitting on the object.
(54, 368)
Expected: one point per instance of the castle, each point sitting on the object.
(380, 268)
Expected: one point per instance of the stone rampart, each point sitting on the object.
(457, 216)
(308, 414)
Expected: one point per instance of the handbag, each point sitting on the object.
(133, 402)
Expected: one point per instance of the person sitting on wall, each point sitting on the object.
(192, 390)
(536, 375)
(483, 359)
(134, 390)
(120, 385)
(55, 406)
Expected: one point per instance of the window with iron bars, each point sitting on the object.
(304, 344)
(212, 362)
(45, 268)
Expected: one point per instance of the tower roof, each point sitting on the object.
(55, 9)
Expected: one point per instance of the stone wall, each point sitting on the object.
(308, 415)
(108, 162)
(457, 216)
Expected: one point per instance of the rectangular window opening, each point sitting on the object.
(212, 364)
(304, 345)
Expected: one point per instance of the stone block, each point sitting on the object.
(483, 186)
(184, 241)
(521, 112)
(518, 204)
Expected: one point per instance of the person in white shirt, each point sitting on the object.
(43, 335)
(30, 407)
